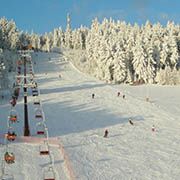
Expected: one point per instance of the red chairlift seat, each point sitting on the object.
(11, 136)
(40, 132)
(40, 128)
(9, 158)
(13, 118)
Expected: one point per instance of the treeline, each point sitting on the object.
(114, 51)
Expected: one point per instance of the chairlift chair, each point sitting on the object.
(34, 92)
(44, 148)
(40, 128)
(37, 101)
(11, 135)
(49, 174)
(9, 157)
(13, 116)
(39, 114)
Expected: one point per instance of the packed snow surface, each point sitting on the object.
(78, 122)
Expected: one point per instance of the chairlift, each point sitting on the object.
(39, 113)
(9, 157)
(37, 101)
(40, 128)
(49, 174)
(11, 135)
(44, 148)
(34, 92)
(13, 116)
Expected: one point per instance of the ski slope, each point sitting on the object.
(78, 123)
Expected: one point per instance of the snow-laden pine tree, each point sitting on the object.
(140, 62)
(119, 62)
(55, 37)
(68, 33)
(174, 54)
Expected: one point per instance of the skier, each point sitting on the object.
(118, 94)
(93, 95)
(130, 121)
(106, 133)
(153, 128)
(123, 96)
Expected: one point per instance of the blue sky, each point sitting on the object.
(44, 15)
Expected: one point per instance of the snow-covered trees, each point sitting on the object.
(112, 51)
(120, 52)
(9, 35)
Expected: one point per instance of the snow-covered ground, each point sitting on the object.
(79, 122)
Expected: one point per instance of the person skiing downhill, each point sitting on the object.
(130, 121)
(93, 95)
(153, 128)
(118, 94)
(106, 133)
